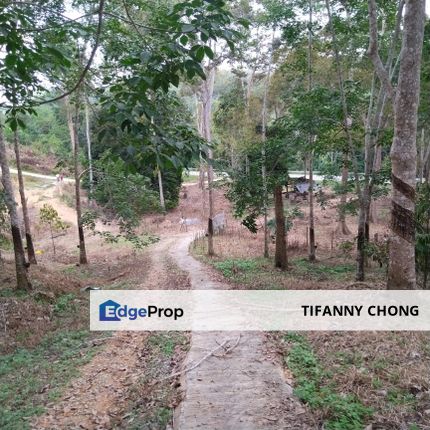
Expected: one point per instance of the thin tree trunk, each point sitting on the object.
(205, 128)
(377, 163)
(22, 279)
(89, 151)
(27, 226)
(281, 245)
(72, 124)
(347, 124)
(401, 268)
(342, 228)
(265, 200)
(312, 246)
(263, 151)
(421, 156)
(161, 190)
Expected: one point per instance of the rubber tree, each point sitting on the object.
(401, 268)
(312, 246)
(72, 119)
(27, 225)
(22, 278)
(281, 260)
(206, 95)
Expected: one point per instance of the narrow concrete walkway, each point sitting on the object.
(242, 390)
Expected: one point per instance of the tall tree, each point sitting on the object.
(72, 121)
(22, 278)
(401, 269)
(312, 246)
(206, 96)
(27, 225)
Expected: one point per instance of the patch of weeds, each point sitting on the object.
(379, 364)
(166, 342)
(65, 304)
(347, 359)
(13, 292)
(376, 383)
(232, 268)
(340, 412)
(31, 377)
(320, 271)
(401, 397)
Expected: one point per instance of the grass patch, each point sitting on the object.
(233, 268)
(29, 378)
(340, 412)
(65, 304)
(302, 267)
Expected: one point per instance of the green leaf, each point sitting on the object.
(209, 52)
(200, 53)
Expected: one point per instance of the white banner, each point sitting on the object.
(231, 310)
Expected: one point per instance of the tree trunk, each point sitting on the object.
(281, 245)
(27, 226)
(361, 236)
(89, 151)
(205, 128)
(347, 126)
(72, 124)
(22, 279)
(377, 163)
(342, 228)
(312, 246)
(401, 268)
(263, 151)
(161, 190)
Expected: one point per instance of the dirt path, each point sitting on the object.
(244, 389)
(97, 398)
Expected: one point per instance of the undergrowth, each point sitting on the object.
(31, 377)
(341, 412)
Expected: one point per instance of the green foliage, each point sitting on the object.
(49, 216)
(65, 304)
(303, 267)
(25, 374)
(377, 251)
(312, 387)
(232, 267)
(126, 195)
(245, 189)
(166, 342)
(45, 131)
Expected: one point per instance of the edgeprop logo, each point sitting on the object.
(113, 311)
